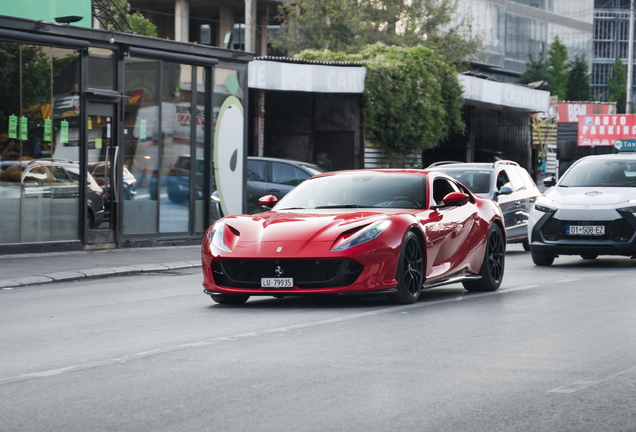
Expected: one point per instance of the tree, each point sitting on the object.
(348, 26)
(578, 85)
(116, 15)
(536, 70)
(557, 68)
(617, 85)
(412, 97)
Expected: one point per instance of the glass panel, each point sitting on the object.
(39, 89)
(101, 130)
(141, 139)
(101, 69)
(174, 198)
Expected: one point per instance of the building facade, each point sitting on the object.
(511, 30)
(110, 139)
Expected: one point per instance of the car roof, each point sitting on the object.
(474, 165)
(629, 156)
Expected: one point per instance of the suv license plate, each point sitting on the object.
(586, 230)
(277, 283)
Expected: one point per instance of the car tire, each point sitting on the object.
(542, 260)
(589, 257)
(526, 245)
(410, 272)
(493, 265)
(233, 300)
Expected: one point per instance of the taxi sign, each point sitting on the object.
(625, 145)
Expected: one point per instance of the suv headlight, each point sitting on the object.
(542, 208)
(364, 235)
(217, 237)
(627, 209)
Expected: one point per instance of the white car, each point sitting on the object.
(591, 211)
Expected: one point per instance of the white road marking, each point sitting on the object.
(593, 380)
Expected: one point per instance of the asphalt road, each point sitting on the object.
(553, 350)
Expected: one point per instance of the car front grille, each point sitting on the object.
(618, 230)
(306, 273)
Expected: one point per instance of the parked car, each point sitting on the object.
(591, 211)
(506, 183)
(98, 171)
(390, 232)
(51, 178)
(273, 176)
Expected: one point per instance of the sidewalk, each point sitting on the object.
(31, 269)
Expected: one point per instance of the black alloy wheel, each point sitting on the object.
(492, 268)
(232, 300)
(410, 272)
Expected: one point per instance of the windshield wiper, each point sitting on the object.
(339, 206)
(294, 208)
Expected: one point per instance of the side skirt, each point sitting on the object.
(450, 280)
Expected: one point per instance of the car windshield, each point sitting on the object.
(601, 172)
(355, 190)
(476, 180)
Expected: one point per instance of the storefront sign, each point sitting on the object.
(13, 127)
(47, 129)
(570, 112)
(502, 95)
(271, 75)
(604, 130)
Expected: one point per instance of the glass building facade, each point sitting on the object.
(611, 39)
(511, 30)
(104, 142)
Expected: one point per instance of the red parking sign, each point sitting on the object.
(603, 130)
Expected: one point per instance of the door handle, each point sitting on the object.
(274, 190)
(517, 202)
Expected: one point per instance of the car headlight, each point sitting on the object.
(627, 209)
(364, 235)
(542, 208)
(217, 237)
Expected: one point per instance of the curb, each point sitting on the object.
(95, 273)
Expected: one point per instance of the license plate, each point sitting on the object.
(586, 230)
(277, 283)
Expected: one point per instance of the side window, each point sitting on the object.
(256, 170)
(530, 185)
(286, 174)
(515, 180)
(441, 188)
(59, 175)
(502, 179)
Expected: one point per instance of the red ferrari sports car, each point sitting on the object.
(392, 232)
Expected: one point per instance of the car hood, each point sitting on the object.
(299, 226)
(591, 195)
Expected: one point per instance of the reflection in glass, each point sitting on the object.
(199, 179)
(39, 199)
(141, 139)
(174, 197)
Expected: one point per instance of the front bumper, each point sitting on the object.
(549, 236)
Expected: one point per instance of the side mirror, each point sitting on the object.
(267, 202)
(505, 190)
(453, 199)
(549, 181)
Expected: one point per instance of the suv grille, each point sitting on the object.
(618, 230)
(306, 273)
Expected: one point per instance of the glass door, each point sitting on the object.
(100, 218)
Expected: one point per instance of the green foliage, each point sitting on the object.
(348, 26)
(412, 97)
(536, 70)
(124, 19)
(578, 85)
(617, 84)
(557, 68)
